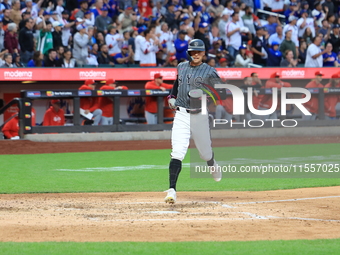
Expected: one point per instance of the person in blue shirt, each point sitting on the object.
(274, 55)
(181, 45)
(123, 58)
(292, 8)
(273, 22)
(329, 58)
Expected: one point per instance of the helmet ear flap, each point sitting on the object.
(189, 57)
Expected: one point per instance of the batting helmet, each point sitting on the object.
(195, 45)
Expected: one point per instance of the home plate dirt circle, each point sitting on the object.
(309, 213)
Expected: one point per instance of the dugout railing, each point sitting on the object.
(25, 106)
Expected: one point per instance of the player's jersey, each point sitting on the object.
(194, 77)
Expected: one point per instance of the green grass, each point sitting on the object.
(299, 247)
(37, 172)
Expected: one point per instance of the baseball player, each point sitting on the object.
(54, 116)
(90, 104)
(106, 103)
(332, 100)
(313, 104)
(189, 120)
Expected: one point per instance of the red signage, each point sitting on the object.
(144, 74)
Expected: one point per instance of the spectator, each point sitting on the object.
(334, 38)
(11, 38)
(273, 22)
(201, 34)
(26, 41)
(234, 38)
(291, 26)
(37, 60)
(125, 57)
(314, 54)
(51, 59)
(191, 34)
(329, 5)
(181, 45)
(127, 19)
(103, 21)
(302, 53)
(103, 57)
(249, 20)
(331, 100)
(291, 11)
(307, 36)
(8, 60)
(97, 9)
(329, 57)
(313, 104)
(288, 44)
(6, 17)
(91, 58)
(274, 55)
(25, 15)
(258, 48)
(242, 59)
(67, 61)
(60, 52)
(113, 40)
(211, 62)
(32, 8)
(83, 9)
(139, 38)
(16, 60)
(289, 60)
(100, 39)
(89, 104)
(319, 14)
(305, 22)
(80, 41)
(305, 7)
(158, 10)
(325, 30)
(89, 19)
(66, 31)
(229, 8)
(276, 37)
(173, 62)
(266, 101)
(57, 35)
(171, 17)
(151, 107)
(59, 8)
(54, 116)
(45, 41)
(106, 103)
(15, 12)
(94, 50)
(222, 24)
(166, 37)
(149, 47)
(223, 62)
(2, 36)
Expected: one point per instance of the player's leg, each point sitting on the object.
(97, 117)
(180, 138)
(201, 135)
(105, 121)
(151, 118)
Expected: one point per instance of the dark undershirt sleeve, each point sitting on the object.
(174, 90)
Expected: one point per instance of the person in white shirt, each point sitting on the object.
(139, 38)
(66, 31)
(223, 23)
(91, 59)
(292, 26)
(33, 8)
(234, 38)
(149, 47)
(89, 19)
(166, 38)
(314, 53)
(305, 22)
(228, 10)
(113, 40)
(59, 9)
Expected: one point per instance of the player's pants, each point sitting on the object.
(272, 116)
(221, 113)
(186, 124)
(107, 120)
(97, 117)
(151, 118)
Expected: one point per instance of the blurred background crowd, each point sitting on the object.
(133, 33)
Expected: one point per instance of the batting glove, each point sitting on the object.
(172, 102)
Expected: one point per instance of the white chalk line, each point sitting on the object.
(174, 219)
(284, 200)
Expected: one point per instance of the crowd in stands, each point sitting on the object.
(124, 33)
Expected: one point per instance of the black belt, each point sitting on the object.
(192, 111)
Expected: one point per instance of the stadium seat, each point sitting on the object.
(89, 66)
(105, 65)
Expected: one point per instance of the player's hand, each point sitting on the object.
(87, 112)
(15, 138)
(172, 102)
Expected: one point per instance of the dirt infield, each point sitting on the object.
(198, 216)
(309, 213)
